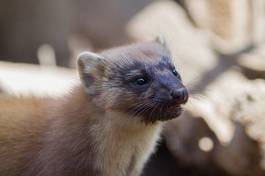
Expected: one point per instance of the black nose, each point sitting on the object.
(180, 95)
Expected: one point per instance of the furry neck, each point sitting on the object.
(119, 144)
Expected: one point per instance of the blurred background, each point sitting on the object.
(218, 47)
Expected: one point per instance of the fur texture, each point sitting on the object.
(107, 126)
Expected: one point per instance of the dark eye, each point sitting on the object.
(141, 81)
(174, 71)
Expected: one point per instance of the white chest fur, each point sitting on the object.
(124, 144)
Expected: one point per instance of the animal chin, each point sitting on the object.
(169, 113)
(161, 114)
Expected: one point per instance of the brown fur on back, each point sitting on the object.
(21, 125)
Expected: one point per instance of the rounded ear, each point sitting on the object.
(161, 40)
(90, 68)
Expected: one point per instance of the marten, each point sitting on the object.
(107, 125)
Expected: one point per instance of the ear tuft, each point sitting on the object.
(90, 69)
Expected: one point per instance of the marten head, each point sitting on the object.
(140, 80)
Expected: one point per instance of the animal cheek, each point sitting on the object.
(107, 98)
(148, 94)
(129, 97)
(101, 100)
(125, 98)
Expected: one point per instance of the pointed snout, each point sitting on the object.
(172, 90)
(179, 95)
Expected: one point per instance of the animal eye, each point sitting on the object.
(141, 81)
(174, 71)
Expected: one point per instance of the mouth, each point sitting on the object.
(159, 113)
(169, 113)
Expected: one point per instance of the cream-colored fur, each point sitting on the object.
(123, 144)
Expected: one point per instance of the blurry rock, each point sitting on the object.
(190, 47)
(258, 22)
(242, 156)
(199, 11)
(234, 98)
(251, 113)
(234, 25)
(253, 63)
(219, 17)
(165, 163)
(217, 102)
(27, 79)
(191, 140)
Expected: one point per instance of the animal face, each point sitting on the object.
(140, 80)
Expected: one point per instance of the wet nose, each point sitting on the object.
(179, 95)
